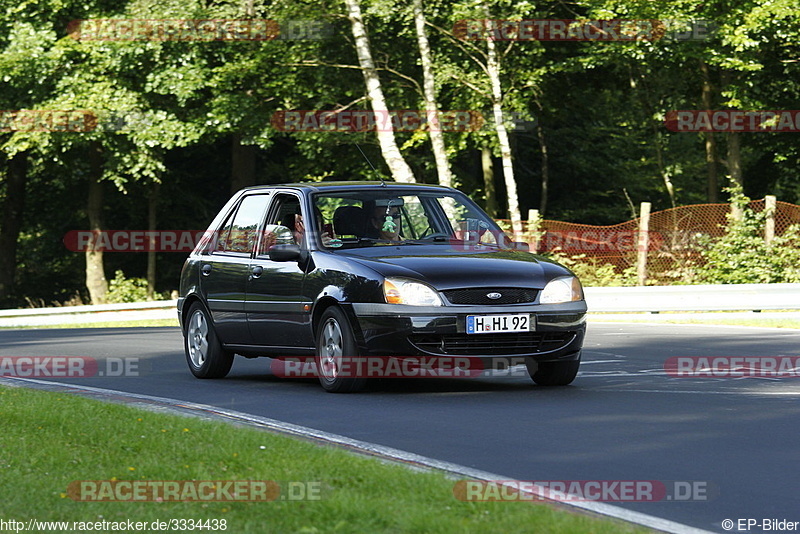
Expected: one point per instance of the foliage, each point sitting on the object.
(590, 113)
(594, 273)
(122, 289)
(742, 256)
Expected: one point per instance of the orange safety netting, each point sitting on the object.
(672, 237)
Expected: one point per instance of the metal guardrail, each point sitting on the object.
(650, 299)
(111, 313)
(719, 297)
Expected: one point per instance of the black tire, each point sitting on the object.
(204, 352)
(553, 373)
(335, 344)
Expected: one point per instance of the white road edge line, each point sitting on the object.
(373, 449)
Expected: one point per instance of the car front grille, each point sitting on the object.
(504, 344)
(508, 295)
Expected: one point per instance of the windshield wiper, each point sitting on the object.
(372, 241)
(424, 241)
(358, 240)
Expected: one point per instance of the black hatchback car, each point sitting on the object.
(336, 273)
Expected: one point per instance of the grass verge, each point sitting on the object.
(105, 324)
(771, 322)
(51, 439)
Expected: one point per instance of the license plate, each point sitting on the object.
(489, 324)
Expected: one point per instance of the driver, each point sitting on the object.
(385, 223)
(300, 229)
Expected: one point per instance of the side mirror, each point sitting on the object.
(284, 252)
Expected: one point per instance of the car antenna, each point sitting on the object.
(371, 165)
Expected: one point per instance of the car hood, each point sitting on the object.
(445, 268)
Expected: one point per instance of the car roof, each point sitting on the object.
(353, 185)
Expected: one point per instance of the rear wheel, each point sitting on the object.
(553, 373)
(204, 352)
(336, 348)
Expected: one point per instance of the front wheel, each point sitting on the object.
(336, 349)
(204, 352)
(553, 373)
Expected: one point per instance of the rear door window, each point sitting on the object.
(238, 234)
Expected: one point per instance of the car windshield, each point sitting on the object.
(382, 216)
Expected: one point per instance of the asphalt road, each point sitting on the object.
(624, 418)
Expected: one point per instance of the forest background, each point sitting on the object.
(574, 128)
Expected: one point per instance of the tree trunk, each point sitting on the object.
(13, 210)
(248, 8)
(95, 273)
(660, 163)
(243, 164)
(493, 68)
(429, 92)
(644, 98)
(152, 205)
(400, 170)
(545, 168)
(710, 140)
(734, 162)
(733, 159)
(488, 182)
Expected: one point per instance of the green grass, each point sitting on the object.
(51, 439)
(108, 324)
(698, 319)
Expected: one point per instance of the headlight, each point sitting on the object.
(564, 289)
(402, 291)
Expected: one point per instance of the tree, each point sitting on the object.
(493, 71)
(22, 69)
(391, 152)
(429, 94)
(130, 127)
(16, 173)
(486, 82)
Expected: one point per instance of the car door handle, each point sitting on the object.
(257, 270)
(206, 269)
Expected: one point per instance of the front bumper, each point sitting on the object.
(397, 330)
